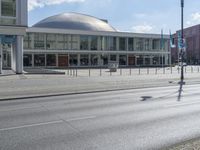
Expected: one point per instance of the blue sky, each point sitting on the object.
(147, 16)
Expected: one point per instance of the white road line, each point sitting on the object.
(183, 104)
(81, 118)
(32, 125)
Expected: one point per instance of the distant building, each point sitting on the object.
(78, 40)
(74, 40)
(192, 37)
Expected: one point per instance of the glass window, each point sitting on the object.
(122, 44)
(156, 44)
(62, 42)
(113, 57)
(139, 44)
(112, 43)
(84, 60)
(51, 59)
(122, 60)
(39, 41)
(28, 60)
(130, 44)
(8, 8)
(84, 42)
(74, 42)
(94, 42)
(28, 41)
(94, 60)
(73, 60)
(51, 41)
(39, 60)
(147, 44)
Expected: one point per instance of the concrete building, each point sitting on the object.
(13, 24)
(78, 40)
(192, 38)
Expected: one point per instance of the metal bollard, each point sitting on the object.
(130, 71)
(198, 69)
(178, 70)
(89, 73)
(100, 72)
(110, 73)
(68, 71)
(156, 72)
(120, 71)
(139, 70)
(147, 70)
(191, 69)
(76, 72)
(185, 70)
(164, 70)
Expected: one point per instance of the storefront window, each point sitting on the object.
(122, 60)
(73, 60)
(84, 42)
(94, 60)
(112, 43)
(84, 60)
(51, 60)
(28, 41)
(39, 41)
(94, 42)
(8, 8)
(113, 57)
(51, 41)
(122, 44)
(28, 60)
(39, 60)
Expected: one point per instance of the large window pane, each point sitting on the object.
(94, 42)
(51, 41)
(122, 44)
(84, 42)
(122, 60)
(156, 44)
(51, 60)
(39, 41)
(28, 41)
(73, 60)
(139, 44)
(74, 42)
(130, 44)
(62, 42)
(84, 60)
(39, 60)
(94, 60)
(8, 8)
(28, 60)
(147, 44)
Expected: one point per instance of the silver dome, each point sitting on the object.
(75, 21)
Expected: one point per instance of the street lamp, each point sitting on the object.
(182, 44)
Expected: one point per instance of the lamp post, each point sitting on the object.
(182, 45)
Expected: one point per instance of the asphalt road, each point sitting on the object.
(140, 119)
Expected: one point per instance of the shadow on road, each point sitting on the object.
(180, 91)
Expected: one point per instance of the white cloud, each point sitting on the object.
(32, 4)
(194, 19)
(144, 28)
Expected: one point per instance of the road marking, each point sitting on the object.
(32, 125)
(183, 104)
(81, 118)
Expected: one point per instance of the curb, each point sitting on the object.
(81, 92)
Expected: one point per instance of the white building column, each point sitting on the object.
(17, 56)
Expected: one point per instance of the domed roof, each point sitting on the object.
(75, 21)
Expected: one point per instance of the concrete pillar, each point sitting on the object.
(17, 56)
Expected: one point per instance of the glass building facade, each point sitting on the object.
(73, 50)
